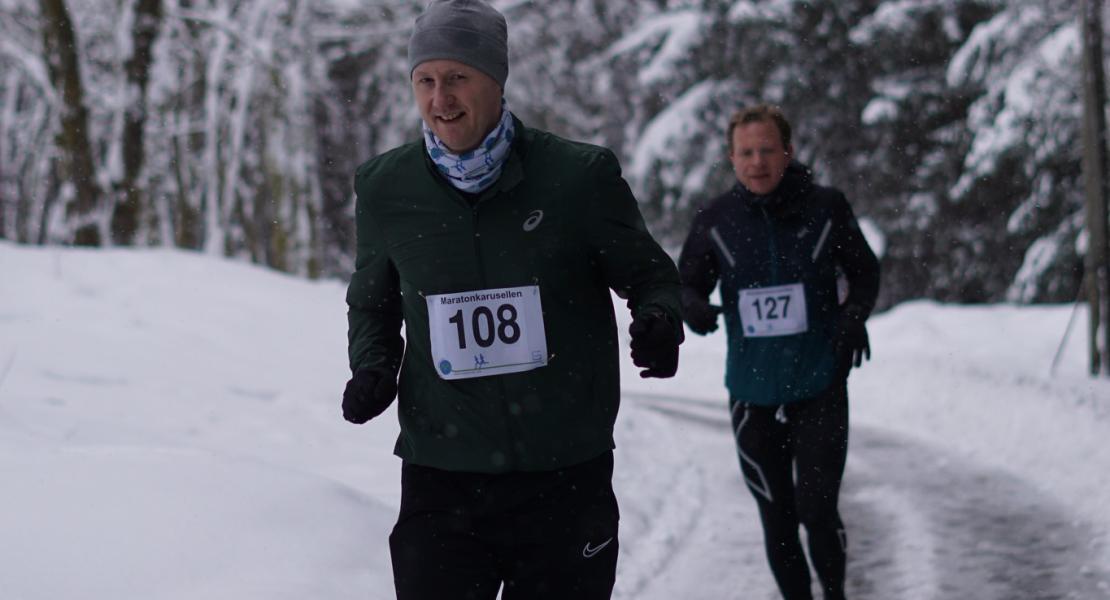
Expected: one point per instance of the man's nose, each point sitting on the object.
(442, 97)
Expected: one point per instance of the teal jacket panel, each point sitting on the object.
(799, 234)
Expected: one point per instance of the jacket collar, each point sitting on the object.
(513, 171)
(787, 198)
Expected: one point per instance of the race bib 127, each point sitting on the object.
(774, 311)
(487, 332)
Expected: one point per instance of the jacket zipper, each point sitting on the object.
(772, 245)
(478, 246)
(510, 451)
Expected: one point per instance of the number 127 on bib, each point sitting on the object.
(774, 311)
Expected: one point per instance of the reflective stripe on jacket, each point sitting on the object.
(800, 233)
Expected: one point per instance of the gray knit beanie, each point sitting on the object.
(469, 31)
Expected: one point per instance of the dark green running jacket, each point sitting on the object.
(561, 218)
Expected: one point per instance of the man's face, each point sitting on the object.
(459, 103)
(758, 157)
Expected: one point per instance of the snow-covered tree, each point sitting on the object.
(952, 125)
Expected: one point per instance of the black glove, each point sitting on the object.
(368, 393)
(699, 314)
(852, 343)
(654, 344)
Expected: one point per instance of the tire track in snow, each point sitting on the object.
(924, 524)
(990, 535)
(653, 526)
(719, 553)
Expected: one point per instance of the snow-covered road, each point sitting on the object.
(928, 524)
(170, 430)
(923, 524)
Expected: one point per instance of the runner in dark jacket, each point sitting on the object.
(496, 246)
(776, 244)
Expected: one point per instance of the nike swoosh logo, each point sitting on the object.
(589, 552)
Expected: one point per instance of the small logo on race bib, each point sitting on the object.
(445, 367)
(533, 220)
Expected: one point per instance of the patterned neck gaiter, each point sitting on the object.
(476, 170)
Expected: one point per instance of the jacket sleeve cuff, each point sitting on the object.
(674, 320)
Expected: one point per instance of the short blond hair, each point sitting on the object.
(760, 113)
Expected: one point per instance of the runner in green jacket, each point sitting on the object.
(560, 226)
(496, 247)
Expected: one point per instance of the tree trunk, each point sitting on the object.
(1094, 175)
(215, 227)
(77, 165)
(131, 201)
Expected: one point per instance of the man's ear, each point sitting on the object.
(790, 151)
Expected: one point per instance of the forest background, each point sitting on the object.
(233, 127)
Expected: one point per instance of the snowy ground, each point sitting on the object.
(170, 429)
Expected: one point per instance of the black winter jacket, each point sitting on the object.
(801, 233)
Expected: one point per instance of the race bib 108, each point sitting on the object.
(487, 332)
(774, 311)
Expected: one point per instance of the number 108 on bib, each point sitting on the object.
(487, 332)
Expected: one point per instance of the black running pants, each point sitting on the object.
(792, 457)
(548, 535)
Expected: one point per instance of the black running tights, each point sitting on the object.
(792, 458)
